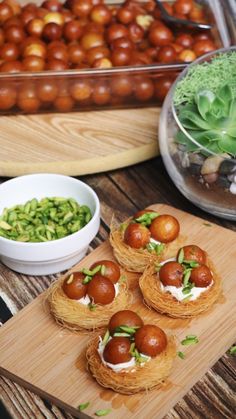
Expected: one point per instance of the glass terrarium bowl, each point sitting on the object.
(199, 147)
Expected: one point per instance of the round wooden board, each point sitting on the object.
(77, 143)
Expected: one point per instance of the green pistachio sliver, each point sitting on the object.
(129, 330)
(153, 215)
(102, 412)
(50, 228)
(87, 279)
(87, 272)
(48, 235)
(70, 279)
(188, 297)
(136, 352)
(121, 334)
(57, 200)
(83, 406)
(232, 350)
(68, 217)
(5, 226)
(96, 270)
(33, 204)
(187, 274)
(157, 267)
(12, 216)
(103, 270)
(191, 337)
(141, 359)
(150, 247)
(73, 204)
(132, 347)
(194, 264)
(147, 218)
(92, 307)
(181, 355)
(87, 218)
(155, 247)
(123, 278)
(207, 224)
(27, 207)
(190, 340)
(188, 288)
(159, 248)
(181, 255)
(106, 338)
(123, 227)
(191, 263)
(23, 238)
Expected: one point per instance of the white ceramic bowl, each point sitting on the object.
(50, 257)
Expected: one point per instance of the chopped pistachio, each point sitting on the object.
(232, 350)
(5, 226)
(103, 270)
(102, 412)
(83, 406)
(92, 307)
(87, 279)
(180, 354)
(122, 278)
(132, 347)
(121, 334)
(106, 338)
(70, 279)
(188, 297)
(190, 340)
(130, 330)
(181, 255)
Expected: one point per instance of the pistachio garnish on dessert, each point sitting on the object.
(146, 237)
(183, 286)
(85, 299)
(131, 356)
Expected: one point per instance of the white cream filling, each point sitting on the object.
(154, 241)
(122, 365)
(167, 260)
(86, 299)
(177, 292)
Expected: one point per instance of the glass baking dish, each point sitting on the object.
(93, 89)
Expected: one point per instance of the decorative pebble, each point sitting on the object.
(211, 178)
(227, 167)
(233, 188)
(211, 164)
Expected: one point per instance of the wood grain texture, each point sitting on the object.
(77, 143)
(42, 356)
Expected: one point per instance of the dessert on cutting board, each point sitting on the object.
(146, 238)
(85, 299)
(184, 286)
(131, 357)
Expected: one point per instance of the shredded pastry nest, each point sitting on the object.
(165, 303)
(76, 316)
(151, 374)
(136, 260)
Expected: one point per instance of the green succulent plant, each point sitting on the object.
(211, 121)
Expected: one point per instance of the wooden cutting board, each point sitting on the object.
(77, 143)
(49, 360)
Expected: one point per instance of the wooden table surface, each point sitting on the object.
(122, 192)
